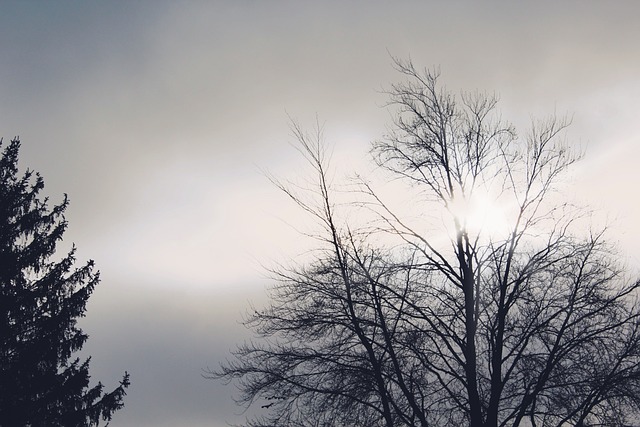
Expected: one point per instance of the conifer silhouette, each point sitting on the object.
(41, 298)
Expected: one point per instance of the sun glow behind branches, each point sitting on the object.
(481, 215)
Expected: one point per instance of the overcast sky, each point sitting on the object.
(158, 119)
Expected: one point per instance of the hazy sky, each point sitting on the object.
(157, 118)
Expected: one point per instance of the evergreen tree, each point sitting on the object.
(41, 384)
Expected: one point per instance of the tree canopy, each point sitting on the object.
(448, 316)
(41, 298)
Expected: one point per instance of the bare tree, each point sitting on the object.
(533, 324)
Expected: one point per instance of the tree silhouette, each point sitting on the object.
(40, 301)
(439, 318)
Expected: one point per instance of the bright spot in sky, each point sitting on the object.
(481, 215)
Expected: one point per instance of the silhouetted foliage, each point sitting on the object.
(40, 302)
(434, 319)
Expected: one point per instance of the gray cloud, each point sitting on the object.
(165, 337)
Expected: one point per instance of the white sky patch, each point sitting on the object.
(482, 215)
